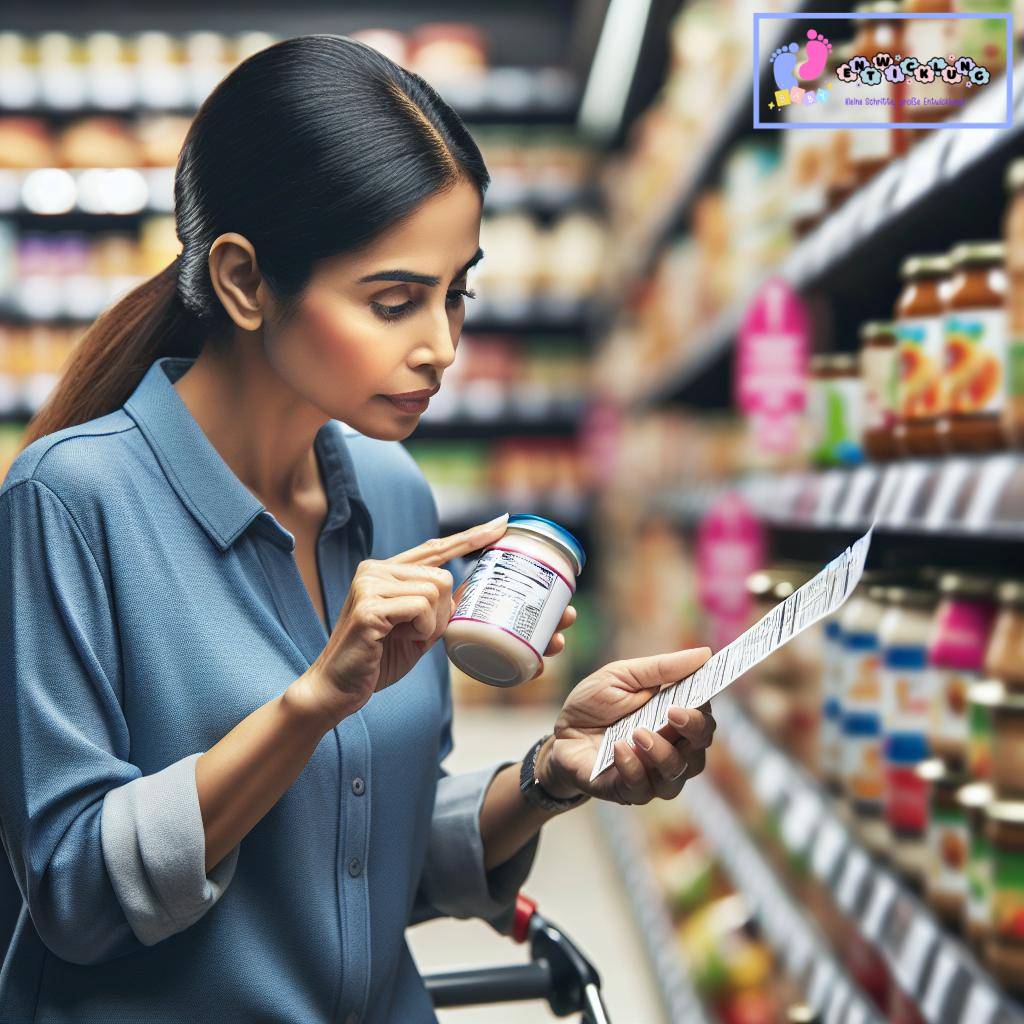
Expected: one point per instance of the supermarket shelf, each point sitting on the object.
(929, 964)
(980, 497)
(923, 184)
(795, 938)
(557, 422)
(458, 513)
(648, 903)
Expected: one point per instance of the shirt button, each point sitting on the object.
(358, 786)
(355, 865)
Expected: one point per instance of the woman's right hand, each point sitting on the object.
(397, 608)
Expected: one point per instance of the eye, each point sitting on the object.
(391, 313)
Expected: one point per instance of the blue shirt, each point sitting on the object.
(151, 603)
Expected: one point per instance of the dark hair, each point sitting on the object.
(309, 148)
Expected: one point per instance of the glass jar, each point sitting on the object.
(956, 652)
(513, 601)
(945, 875)
(1007, 716)
(981, 700)
(835, 404)
(919, 330)
(975, 333)
(879, 365)
(1013, 237)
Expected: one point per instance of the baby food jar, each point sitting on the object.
(879, 369)
(1004, 947)
(836, 410)
(975, 350)
(956, 652)
(513, 601)
(945, 878)
(919, 330)
(1007, 717)
(982, 698)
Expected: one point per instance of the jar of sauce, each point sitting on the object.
(956, 653)
(879, 368)
(919, 330)
(1004, 658)
(1004, 947)
(513, 601)
(1013, 236)
(974, 798)
(904, 634)
(975, 332)
(862, 773)
(945, 874)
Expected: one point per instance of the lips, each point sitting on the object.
(409, 405)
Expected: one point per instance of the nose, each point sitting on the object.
(442, 345)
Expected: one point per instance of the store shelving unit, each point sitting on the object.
(647, 902)
(906, 195)
(935, 969)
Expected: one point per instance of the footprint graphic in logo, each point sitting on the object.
(782, 61)
(817, 53)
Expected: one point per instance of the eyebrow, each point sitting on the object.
(411, 278)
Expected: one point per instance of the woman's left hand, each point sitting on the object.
(557, 644)
(660, 764)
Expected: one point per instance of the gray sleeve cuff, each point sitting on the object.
(154, 847)
(454, 880)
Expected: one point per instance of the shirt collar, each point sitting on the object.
(204, 482)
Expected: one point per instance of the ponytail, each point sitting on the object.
(112, 356)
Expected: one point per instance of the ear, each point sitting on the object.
(236, 279)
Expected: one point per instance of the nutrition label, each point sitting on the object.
(517, 592)
(817, 598)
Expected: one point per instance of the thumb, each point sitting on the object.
(656, 670)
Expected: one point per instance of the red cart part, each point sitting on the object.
(525, 909)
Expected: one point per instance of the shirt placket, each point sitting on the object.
(300, 618)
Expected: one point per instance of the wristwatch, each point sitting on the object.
(533, 792)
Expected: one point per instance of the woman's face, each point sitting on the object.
(361, 334)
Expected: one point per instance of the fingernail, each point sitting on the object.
(494, 522)
(677, 716)
(643, 738)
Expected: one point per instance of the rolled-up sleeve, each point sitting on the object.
(455, 882)
(106, 859)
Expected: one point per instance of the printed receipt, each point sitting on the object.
(817, 598)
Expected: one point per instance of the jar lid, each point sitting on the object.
(932, 770)
(975, 794)
(1015, 174)
(988, 693)
(930, 265)
(1011, 812)
(873, 328)
(977, 253)
(1011, 592)
(959, 584)
(558, 535)
(801, 1013)
(845, 362)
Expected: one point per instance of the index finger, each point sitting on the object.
(439, 550)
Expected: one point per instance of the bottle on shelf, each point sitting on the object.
(975, 341)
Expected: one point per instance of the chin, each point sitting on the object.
(385, 428)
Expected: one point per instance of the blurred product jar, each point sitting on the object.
(862, 774)
(947, 841)
(879, 367)
(1007, 717)
(513, 601)
(981, 700)
(1013, 235)
(920, 318)
(1004, 947)
(836, 410)
(956, 653)
(976, 356)
(1004, 658)
(974, 798)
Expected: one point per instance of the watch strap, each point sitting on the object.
(531, 788)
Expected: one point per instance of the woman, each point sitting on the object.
(225, 705)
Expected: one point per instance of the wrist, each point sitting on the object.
(307, 711)
(549, 777)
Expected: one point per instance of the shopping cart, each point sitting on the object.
(557, 972)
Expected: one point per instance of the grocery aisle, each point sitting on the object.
(574, 881)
